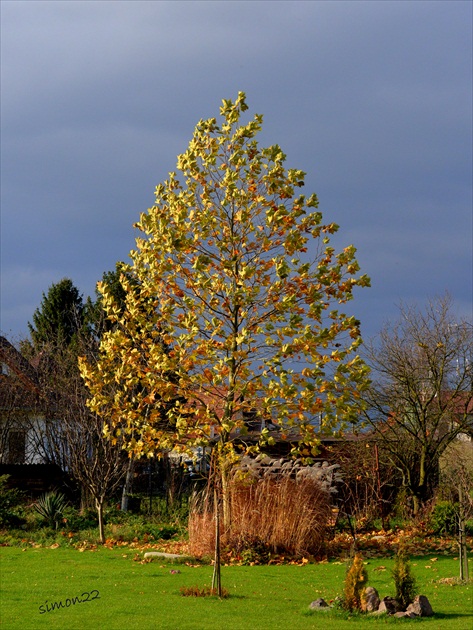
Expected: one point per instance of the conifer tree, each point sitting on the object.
(59, 317)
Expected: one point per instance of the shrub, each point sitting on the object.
(79, 520)
(355, 583)
(10, 504)
(51, 507)
(166, 532)
(443, 519)
(251, 550)
(404, 581)
(134, 526)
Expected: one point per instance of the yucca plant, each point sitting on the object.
(51, 507)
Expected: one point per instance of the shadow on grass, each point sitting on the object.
(226, 598)
(449, 616)
(345, 615)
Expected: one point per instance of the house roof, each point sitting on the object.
(10, 356)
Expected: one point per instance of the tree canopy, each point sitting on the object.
(233, 303)
(96, 317)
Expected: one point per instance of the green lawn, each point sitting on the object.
(125, 594)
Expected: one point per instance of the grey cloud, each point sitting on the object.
(373, 100)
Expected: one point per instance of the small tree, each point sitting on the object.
(355, 583)
(404, 581)
(70, 435)
(234, 305)
(456, 486)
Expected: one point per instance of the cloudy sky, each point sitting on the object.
(373, 99)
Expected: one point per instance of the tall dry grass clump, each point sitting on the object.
(288, 515)
(278, 507)
(201, 528)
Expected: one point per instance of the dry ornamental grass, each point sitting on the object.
(271, 512)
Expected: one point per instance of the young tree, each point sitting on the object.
(355, 583)
(234, 305)
(70, 434)
(456, 486)
(404, 581)
(421, 397)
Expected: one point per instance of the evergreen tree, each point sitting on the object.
(59, 317)
(404, 581)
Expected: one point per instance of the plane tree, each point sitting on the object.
(235, 300)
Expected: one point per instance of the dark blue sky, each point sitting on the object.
(372, 99)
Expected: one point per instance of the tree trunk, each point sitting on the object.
(421, 490)
(464, 573)
(216, 577)
(226, 504)
(127, 486)
(415, 504)
(99, 506)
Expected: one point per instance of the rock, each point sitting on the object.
(421, 607)
(317, 604)
(370, 599)
(161, 554)
(389, 605)
(411, 615)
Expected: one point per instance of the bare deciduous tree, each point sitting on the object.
(421, 396)
(73, 435)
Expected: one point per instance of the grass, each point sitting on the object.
(146, 596)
